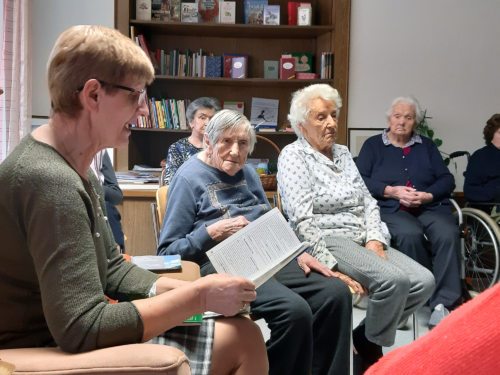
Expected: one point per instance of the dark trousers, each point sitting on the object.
(443, 254)
(310, 322)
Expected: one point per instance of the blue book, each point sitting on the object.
(214, 66)
(158, 262)
(253, 11)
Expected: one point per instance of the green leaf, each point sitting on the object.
(438, 142)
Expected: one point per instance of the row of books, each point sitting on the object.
(176, 63)
(257, 12)
(326, 65)
(165, 114)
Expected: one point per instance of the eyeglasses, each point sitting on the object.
(141, 94)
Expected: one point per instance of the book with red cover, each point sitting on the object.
(292, 12)
(208, 11)
(287, 67)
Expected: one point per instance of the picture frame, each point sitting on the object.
(358, 136)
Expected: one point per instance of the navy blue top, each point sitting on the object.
(381, 165)
(200, 195)
(482, 177)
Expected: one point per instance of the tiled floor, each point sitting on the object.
(403, 337)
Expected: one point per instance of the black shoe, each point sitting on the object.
(367, 350)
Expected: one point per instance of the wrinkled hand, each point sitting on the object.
(350, 282)
(377, 247)
(225, 228)
(225, 294)
(309, 263)
(408, 196)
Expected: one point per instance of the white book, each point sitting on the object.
(264, 112)
(143, 10)
(259, 250)
(227, 12)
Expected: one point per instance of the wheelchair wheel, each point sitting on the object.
(481, 253)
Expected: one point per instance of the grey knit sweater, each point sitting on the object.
(58, 259)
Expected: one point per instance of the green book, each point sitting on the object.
(194, 320)
(303, 61)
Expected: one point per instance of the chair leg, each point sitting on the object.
(415, 326)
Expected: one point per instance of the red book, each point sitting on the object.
(292, 12)
(287, 67)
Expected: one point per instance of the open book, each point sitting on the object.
(259, 250)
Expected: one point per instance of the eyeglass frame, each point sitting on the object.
(142, 93)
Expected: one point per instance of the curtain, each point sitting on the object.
(15, 74)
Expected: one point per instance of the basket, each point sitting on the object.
(268, 181)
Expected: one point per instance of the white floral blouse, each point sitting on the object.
(325, 198)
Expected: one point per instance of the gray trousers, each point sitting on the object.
(396, 287)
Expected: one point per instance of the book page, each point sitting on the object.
(259, 250)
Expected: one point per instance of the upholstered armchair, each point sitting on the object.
(125, 359)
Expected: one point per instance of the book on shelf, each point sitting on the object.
(158, 262)
(208, 11)
(143, 10)
(133, 177)
(239, 67)
(292, 12)
(271, 15)
(259, 250)
(287, 67)
(213, 66)
(189, 12)
(271, 69)
(227, 12)
(235, 105)
(227, 60)
(253, 11)
(326, 66)
(166, 10)
(304, 14)
(264, 112)
(303, 61)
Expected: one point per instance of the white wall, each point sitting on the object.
(50, 18)
(446, 53)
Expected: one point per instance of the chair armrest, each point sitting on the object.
(190, 272)
(124, 359)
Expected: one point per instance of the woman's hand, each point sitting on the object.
(225, 294)
(225, 228)
(407, 196)
(309, 263)
(351, 283)
(377, 247)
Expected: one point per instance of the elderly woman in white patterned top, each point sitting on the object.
(329, 205)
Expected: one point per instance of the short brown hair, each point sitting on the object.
(87, 51)
(491, 127)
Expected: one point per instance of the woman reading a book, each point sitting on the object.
(328, 205)
(59, 261)
(214, 195)
(198, 114)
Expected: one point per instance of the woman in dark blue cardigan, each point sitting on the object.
(482, 177)
(406, 174)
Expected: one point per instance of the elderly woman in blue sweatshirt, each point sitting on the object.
(405, 172)
(482, 177)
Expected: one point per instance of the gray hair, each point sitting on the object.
(419, 114)
(228, 120)
(203, 102)
(299, 107)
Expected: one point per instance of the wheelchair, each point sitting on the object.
(480, 244)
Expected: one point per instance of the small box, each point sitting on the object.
(239, 67)
(227, 12)
(189, 12)
(235, 105)
(271, 15)
(143, 10)
(304, 16)
(271, 69)
(287, 67)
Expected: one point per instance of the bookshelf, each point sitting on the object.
(329, 32)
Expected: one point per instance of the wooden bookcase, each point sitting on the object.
(329, 32)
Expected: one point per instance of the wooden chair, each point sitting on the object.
(158, 210)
